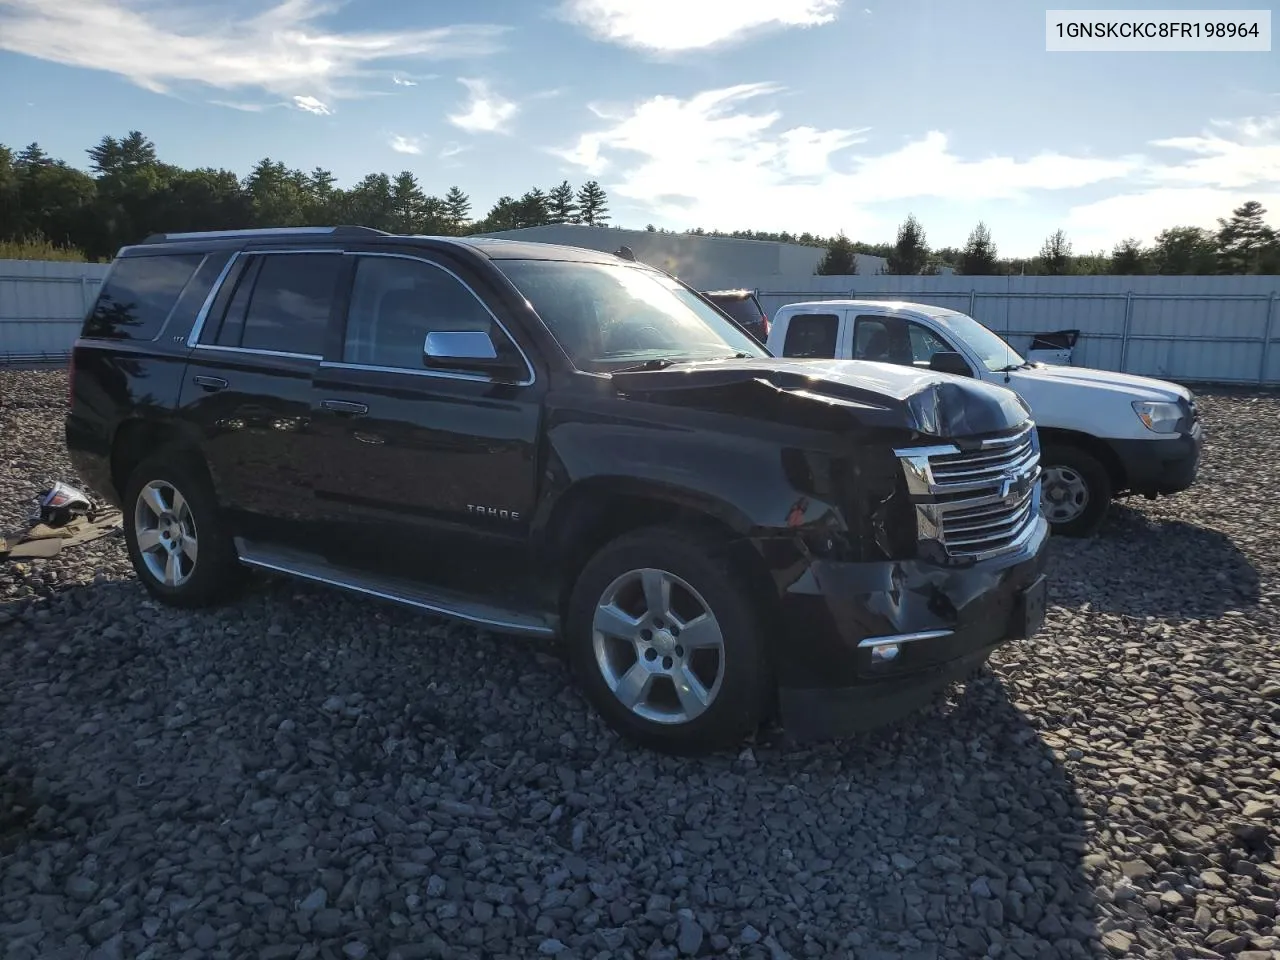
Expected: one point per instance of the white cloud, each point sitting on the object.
(411, 145)
(283, 50)
(1143, 214)
(452, 150)
(1237, 160)
(402, 82)
(693, 161)
(672, 26)
(312, 105)
(486, 111)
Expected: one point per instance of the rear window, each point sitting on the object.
(742, 309)
(812, 335)
(138, 294)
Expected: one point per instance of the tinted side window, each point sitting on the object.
(396, 302)
(288, 309)
(195, 293)
(138, 295)
(882, 339)
(812, 335)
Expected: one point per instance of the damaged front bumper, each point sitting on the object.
(869, 643)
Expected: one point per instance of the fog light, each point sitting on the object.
(885, 653)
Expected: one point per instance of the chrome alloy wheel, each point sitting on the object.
(658, 646)
(166, 533)
(1064, 494)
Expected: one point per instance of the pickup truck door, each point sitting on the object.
(817, 333)
(428, 474)
(889, 338)
(247, 388)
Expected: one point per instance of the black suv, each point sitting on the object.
(550, 441)
(744, 308)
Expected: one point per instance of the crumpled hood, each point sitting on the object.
(874, 395)
(1065, 378)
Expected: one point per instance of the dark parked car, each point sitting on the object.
(549, 441)
(744, 307)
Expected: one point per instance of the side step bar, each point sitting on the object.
(444, 603)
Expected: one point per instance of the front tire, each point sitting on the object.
(178, 546)
(666, 643)
(1076, 491)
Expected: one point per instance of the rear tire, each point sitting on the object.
(666, 643)
(177, 543)
(1076, 491)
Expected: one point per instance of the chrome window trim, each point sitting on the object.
(255, 351)
(529, 381)
(193, 338)
(442, 374)
(197, 328)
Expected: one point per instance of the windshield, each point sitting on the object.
(608, 316)
(990, 348)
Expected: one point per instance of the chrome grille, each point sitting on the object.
(977, 502)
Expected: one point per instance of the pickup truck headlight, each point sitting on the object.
(1159, 417)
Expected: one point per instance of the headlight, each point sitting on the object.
(1159, 417)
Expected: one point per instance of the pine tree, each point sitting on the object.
(457, 209)
(593, 204)
(1245, 240)
(563, 209)
(839, 260)
(408, 203)
(532, 210)
(1055, 254)
(978, 258)
(910, 253)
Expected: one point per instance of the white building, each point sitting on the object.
(701, 261)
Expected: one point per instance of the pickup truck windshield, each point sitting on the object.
(608, 316)
(994, 352)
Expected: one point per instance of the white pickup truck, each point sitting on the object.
(1102, 434)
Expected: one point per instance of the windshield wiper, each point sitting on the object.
(661, 363)
(657, 363)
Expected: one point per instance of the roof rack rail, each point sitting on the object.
(336, 232)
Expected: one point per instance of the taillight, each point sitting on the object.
(71, 377)
(767, 326)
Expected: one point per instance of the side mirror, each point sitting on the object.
(462, 350)
(950, 362)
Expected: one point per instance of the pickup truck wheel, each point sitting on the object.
(666, 644)
(177, 546)
(1075, 491)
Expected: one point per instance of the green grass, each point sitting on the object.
(38, 249)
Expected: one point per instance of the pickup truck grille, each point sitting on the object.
(976, 502)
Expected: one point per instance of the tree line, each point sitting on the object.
(1243, 244)
(52, 208)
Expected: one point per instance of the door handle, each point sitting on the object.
(346, 406)
(210, 383)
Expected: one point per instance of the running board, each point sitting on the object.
(455, 606)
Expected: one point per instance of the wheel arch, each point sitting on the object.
(1099, 449)
(139, 438)
(596, 511)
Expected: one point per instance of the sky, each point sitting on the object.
(817, 115)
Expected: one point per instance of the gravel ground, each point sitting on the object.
(305, 774)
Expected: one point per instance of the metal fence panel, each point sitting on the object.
(42, 306)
